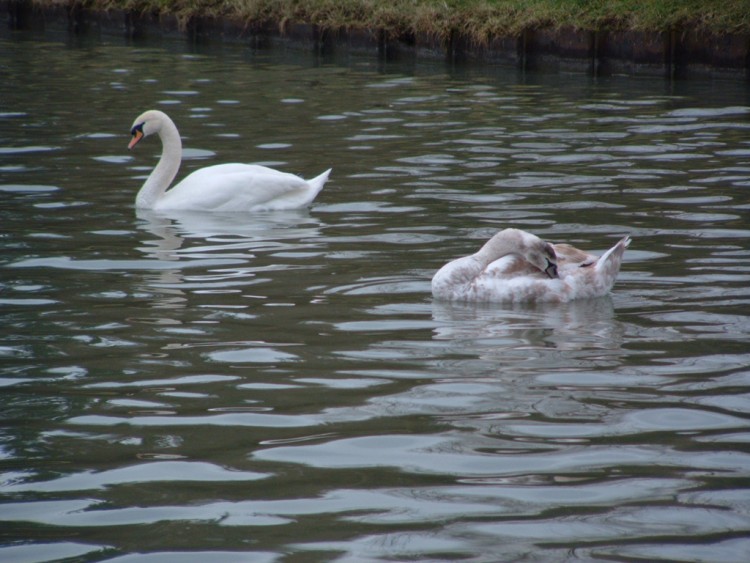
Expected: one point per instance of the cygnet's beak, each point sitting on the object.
(551, 269)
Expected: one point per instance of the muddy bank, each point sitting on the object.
(678, 53)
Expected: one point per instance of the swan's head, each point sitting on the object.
(550, 261)
(531, 248)
(541, 255)
(146, 124)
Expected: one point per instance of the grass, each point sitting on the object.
(478, 19)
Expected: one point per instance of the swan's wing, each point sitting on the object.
(236, 187)
(609, 263)
(567, 254)
(240, 168)
(597, 279)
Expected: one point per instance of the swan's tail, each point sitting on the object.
(608, 266)
(318, 182)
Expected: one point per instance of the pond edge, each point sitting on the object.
(677, 54)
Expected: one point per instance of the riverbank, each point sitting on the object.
(675, 38)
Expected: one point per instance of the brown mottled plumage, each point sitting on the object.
(516, 266)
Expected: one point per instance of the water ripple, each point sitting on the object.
(285, 383)
(170, 471)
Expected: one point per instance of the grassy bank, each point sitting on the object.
(477, 19)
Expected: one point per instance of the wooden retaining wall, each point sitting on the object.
(680, 53)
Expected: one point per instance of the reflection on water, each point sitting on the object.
(588, 323)
(233, 387)
(221, 239)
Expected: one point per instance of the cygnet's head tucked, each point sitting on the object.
(531, 248)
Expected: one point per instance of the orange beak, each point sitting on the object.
(137, 136)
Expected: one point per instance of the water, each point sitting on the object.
(282, 387)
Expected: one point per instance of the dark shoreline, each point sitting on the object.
(676, 54)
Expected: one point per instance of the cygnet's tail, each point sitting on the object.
(318, 182)
(608, 266)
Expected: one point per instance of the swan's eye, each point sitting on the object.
(137, 129)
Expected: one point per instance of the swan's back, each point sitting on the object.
(242, 187)
(570, 255)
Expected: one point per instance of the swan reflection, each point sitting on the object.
(224, 234)
(576, 325)
(221, 251)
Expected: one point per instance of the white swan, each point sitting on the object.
(516, 266)
(223, 187)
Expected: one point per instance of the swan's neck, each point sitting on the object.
(165, 171)
(498, 246)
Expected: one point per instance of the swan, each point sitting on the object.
(516, 266)
(223, 187)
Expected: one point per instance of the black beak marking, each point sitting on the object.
(551, 269)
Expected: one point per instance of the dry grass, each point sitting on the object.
(478, 19)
